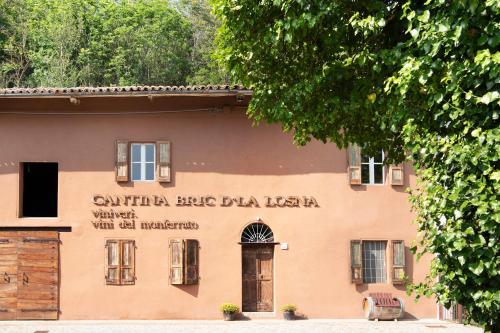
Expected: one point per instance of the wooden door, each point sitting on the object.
(8, 275)
(249, 272)
(38, 275)
(265, 278)
(257, 277)
(33, 291)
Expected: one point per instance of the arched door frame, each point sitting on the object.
(257, 249)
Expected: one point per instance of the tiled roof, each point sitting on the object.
(130, 90)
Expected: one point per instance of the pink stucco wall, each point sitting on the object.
(212, 154)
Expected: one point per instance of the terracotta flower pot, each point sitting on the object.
(289, 315)
(229, 316)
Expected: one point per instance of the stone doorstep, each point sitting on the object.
(271, 318)
(259, 315)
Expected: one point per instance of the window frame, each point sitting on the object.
(386, 263)
(143, 161)
(390, 264)
(371, 169)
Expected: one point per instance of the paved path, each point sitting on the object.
(216, 326)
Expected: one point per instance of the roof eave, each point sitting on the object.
(136, 91)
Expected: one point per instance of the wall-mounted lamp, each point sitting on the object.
(74, 100)
(240, 98)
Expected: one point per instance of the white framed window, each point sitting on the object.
(372, 169)
(143, 161)
(374, 267)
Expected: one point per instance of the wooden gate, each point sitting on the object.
(257, 277)
(29, 275)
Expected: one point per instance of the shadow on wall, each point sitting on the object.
(201, 143)
(191, 289)
(131, 184)
(300, 316)
(242, 317)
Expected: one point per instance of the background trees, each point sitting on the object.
(13, 43)
(106, 42)
(417, 79)
(204, 27)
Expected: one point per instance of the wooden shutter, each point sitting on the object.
(354, 168)
(121, 161)
(356, 262)
(397, 174)
(398, 262)
(176, 261)
(112, 262)
(191, 266)
(163, 168)
(127, 267)
(120, 261)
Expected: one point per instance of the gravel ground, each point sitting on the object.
(216, 326)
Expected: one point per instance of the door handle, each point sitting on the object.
(6, 277)
(25, 278)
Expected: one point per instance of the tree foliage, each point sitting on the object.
(106, 42)
(417, 79)
(204, 25)
(314, 65)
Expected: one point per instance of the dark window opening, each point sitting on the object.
(39, 189)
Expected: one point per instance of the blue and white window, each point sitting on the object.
(143, 161)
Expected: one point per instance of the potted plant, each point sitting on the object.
(229, 311)
(289, 311)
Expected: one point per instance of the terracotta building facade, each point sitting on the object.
(165, 202)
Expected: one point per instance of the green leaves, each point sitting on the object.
(424, 18)
(461, 260)
(465, 190)
(477, 268)
(320, 87)
(489, 97)
(416, 77)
